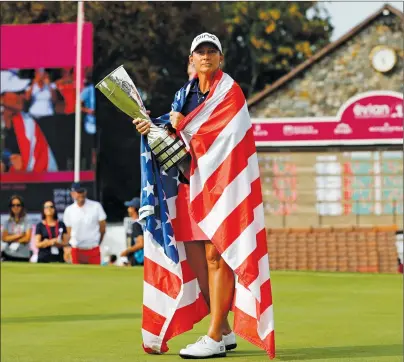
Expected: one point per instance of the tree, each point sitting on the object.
(265, 40)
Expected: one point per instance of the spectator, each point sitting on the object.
(42, 95)
(24, 146)
(67, 88)
(88, 105)
(17, 232)
(50, 236)
(85, 221)
(134, 252)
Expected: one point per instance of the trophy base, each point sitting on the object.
(170, 152)
(183, 166)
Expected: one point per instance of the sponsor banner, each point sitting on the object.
(32, 177)
(369, 118)
(33, 46)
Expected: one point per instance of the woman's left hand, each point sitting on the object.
(175, 118)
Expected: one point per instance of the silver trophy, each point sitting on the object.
(168, 148)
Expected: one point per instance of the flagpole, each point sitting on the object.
(77, 135)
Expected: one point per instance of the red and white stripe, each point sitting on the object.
(226, 202)
(172, 300)
(35, 152)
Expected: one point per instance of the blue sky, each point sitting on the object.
(347, 14)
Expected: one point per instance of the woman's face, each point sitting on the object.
(49, 209)
(40, 74)
(206, 58)
(16, 206)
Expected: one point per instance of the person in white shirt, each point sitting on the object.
(85, 221)
(42, 95)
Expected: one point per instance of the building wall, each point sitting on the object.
(326, 85)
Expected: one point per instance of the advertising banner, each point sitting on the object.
(369, 118)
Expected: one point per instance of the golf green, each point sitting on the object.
(66, 313)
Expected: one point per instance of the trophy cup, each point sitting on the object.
(168, 149)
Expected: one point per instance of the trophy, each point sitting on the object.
(168, 149)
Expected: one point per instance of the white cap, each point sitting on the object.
(206, 38)
(11, 82)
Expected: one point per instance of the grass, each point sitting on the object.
(65, 313)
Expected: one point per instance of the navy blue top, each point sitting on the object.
(192, 99)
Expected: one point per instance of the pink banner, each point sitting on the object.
(369, 118)
(45, 177)
(44, 45)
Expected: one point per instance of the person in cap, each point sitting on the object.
(206, 57)
(24, 146)
(85, 221)
(134, 250)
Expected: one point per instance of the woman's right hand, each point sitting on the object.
(142, 126)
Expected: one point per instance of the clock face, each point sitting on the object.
(383, 58)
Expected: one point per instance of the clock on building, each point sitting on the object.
(383, 58)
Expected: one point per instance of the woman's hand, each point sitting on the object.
(124, 253)
(175, 118)
(53, 241)
(18, 236)
(142, 126)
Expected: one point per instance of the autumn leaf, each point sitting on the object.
(270, 27)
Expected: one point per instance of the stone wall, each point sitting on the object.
(321, 89)
(349, 249)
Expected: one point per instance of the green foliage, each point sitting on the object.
(267, 39)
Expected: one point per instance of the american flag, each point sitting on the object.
(226, 203)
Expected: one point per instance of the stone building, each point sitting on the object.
(329, 133)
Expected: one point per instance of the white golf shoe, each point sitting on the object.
(205, 347)
(230, 341)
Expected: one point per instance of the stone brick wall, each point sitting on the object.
(349, 249)
(321, 89)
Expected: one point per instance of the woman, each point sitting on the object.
(67, 88)
(50, 236)
(17, 232)
(42, 95)
(215, 276)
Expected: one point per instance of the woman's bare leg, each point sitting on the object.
(221, 291)
(195, 251)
